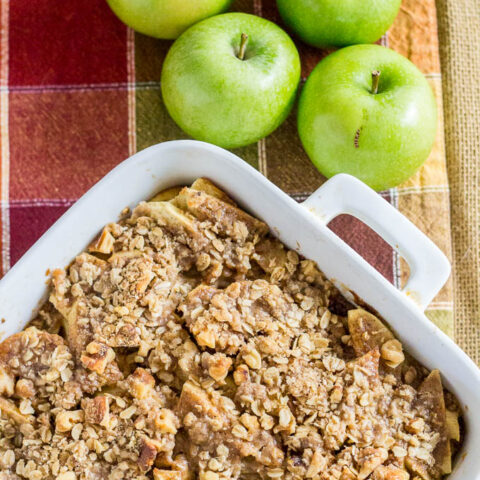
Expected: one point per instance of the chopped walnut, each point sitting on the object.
(373, 458)
(97, 410)
(65, 420)
(97, 356)
(104, 243)
(392, 353)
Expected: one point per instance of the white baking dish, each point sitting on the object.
(300, 226)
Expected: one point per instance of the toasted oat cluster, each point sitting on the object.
(188, 343)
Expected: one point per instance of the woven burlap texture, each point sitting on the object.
(459, 29)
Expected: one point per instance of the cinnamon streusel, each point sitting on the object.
(188, 342)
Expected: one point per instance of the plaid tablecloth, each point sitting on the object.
(80, 92)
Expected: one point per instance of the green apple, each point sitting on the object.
(367, 111)
(165, 18)
(338, 22)
(231, 79)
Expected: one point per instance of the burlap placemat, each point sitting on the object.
(459, 28)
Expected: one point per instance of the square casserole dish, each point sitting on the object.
(300, 226)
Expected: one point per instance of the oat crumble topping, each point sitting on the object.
(188, 343)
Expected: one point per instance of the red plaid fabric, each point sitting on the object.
(80, 92)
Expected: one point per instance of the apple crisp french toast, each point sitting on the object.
(189, 343)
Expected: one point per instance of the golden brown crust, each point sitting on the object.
(195, 345)
(226, 218)
(207, 186)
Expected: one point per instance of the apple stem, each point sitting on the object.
(243, 46)
(375, 80)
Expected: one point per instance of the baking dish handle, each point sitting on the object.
(344, 194)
